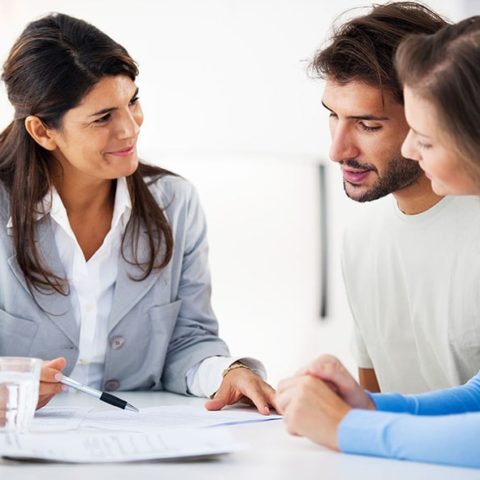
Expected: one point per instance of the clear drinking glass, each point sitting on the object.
(19, 382)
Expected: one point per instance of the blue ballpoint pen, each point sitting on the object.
(103, 396)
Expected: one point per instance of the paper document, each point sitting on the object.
(154, 418)
(59, 418)
(117, 447)
(147, 420)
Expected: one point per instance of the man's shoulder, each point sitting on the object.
(469, 204)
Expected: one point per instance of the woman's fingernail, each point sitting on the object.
(266, 410)
(64, 388)
(58, 377)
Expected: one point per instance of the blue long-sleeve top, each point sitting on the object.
(435, 427)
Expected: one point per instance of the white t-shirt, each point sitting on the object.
(413, 284)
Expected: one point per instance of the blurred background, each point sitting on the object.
(229, 105)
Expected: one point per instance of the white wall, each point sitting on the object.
(226, 79)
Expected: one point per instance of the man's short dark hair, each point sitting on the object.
(363, 48)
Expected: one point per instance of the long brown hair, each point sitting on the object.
(444, 69)
(363, 48)
(50, 68)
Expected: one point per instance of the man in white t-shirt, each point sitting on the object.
(411, 263)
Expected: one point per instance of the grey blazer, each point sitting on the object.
(158, 328)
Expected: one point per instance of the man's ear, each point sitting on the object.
(40, 133)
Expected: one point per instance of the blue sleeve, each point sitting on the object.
(465, 398)
(446, 439)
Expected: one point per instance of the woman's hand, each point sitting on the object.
(242, 384)
(311, 409)
(329, 369)
(49, 380)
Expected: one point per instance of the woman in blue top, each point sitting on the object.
(441, 78)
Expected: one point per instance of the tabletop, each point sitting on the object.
(271, 454)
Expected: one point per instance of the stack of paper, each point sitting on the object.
(117, 447)
(121, 436)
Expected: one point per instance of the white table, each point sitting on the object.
(274, 454)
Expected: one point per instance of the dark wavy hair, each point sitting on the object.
(363, 48)
(444, 69)
(51, 67)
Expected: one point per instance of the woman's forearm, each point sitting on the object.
(446, 439)
(462, 399)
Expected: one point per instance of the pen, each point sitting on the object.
(103, 396)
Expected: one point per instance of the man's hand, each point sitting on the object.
(242, 384)
(49, 380)
(311, 409)
(329, 369)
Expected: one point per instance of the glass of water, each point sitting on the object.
(19, 382)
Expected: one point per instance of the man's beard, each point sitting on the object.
(400, 173)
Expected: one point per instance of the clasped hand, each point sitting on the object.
(318, 397)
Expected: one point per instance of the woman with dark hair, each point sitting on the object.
(103, 259)
(440, 74)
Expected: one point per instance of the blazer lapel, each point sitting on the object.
(56, 307)
(128, 291)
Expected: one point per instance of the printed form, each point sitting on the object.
(154, 433)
